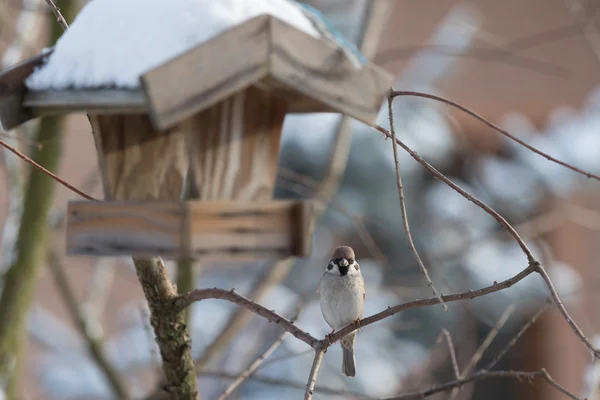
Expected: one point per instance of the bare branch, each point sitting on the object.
(464, 193)
(44, 170)
(496, 128)
(361, 230)
(542, 374)
(534, 264)
(93, 340)
(252, 367)
(403, 204)
(489, 339)
(183, 301)
(484, 346)
(452, 353)
(278, 382)
(240, 317)
(514, 340)
(565, 313)
(312, 376)
(59, 18)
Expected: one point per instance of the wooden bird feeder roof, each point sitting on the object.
(311, 74)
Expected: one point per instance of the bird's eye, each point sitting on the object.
(350, 261)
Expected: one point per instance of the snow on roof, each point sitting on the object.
(112, 42)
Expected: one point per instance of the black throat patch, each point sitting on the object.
(343, 270)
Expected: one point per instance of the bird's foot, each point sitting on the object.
(329, 337)
(357, 324)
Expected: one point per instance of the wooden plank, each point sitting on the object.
(136, 161)
(96, 101)
(125, 228)
(219, 229)
(234, 146)
(12, 90)
(319, 70)
(207, 74)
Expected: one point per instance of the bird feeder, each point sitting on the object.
(214, 115)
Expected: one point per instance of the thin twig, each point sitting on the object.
(540, 270)
(22, 139)
(464, 193)
(542, 374)
(93, 339)
(274, 274)
(452, 353)
(312, 376)
(588, 26)
(59, 18)
(496, 128)
(361, 230)
(403, 204)
(282, 382)
(534, 264)
(484, 346)
(252, 367)
(285, 357)
(183, 301)
(44, 170)
(514, 340)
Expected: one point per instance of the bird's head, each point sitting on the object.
(343, 262)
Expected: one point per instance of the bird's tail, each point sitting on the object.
(348, 361)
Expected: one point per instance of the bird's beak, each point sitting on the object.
(344, 262)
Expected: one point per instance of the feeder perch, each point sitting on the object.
(213, 114)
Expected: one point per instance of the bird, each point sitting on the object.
(342, 299)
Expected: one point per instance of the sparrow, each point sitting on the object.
(342, 298)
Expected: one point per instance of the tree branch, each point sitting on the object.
(312, 376)
(411, 242)
(93, 340)
(252, 367)
(44, 170)
(59, 18)
(542, 374)
(514, 340)
(483, 347)
(183, 301)
(240, 317)
(452, 353)
(534, 264)
(464, 109)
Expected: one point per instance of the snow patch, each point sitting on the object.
(112, 42)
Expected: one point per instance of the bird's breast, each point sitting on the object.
(341, 300)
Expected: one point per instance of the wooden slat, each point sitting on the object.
(12, 90)
(320, 71)
(97, 101)
(136, 161)
(208, 73)
(234, 146)
(248, 230)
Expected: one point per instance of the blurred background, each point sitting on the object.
(531, 66)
